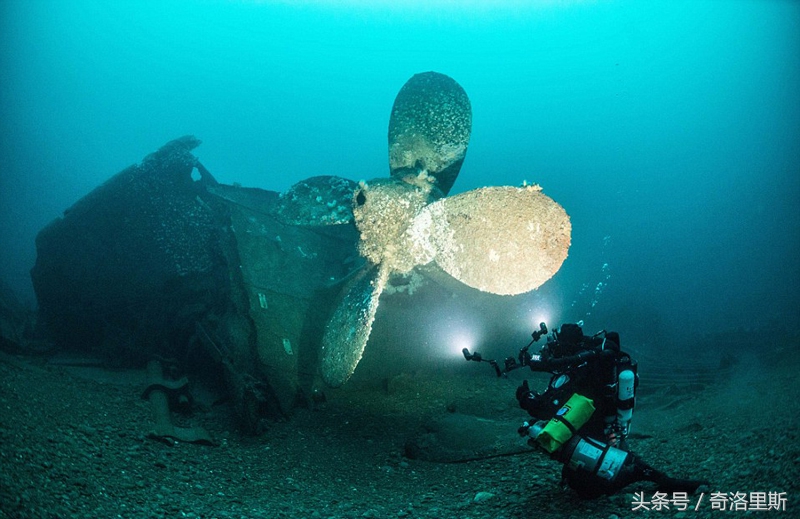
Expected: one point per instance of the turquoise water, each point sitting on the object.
(670, 131)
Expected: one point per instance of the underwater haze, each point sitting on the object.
(669, 131)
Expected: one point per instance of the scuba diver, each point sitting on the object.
(583, 417)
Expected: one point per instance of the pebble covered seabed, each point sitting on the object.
(74, 443)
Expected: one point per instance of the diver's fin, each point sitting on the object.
(429, 130)
(672, 485)
(503, 240)
(348, 329)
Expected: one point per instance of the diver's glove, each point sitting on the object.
(523, 392)
(532, 401)
(526, 397)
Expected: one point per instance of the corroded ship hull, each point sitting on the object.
(154, 263)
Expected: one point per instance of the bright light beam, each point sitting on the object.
(462, 339)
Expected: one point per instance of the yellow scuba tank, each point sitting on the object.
(571, 417)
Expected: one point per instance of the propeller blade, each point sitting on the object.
(504, 240)
(322, 200)
(348, 330)
(429, 130)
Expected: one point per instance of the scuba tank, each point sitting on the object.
(625, 399)
(586, 456)
(593, 457)
(622, 392)
(593, 468)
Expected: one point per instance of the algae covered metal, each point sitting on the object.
(502, 240)
(161, 261)
(272, 292)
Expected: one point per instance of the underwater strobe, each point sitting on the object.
(510, 363)
(537, 334)
(477, 358)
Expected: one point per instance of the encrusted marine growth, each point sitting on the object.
(384, 210)
(429, 130)
(350, 325)
(503, 240)
(322, 200)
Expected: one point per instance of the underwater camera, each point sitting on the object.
(510, 363)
